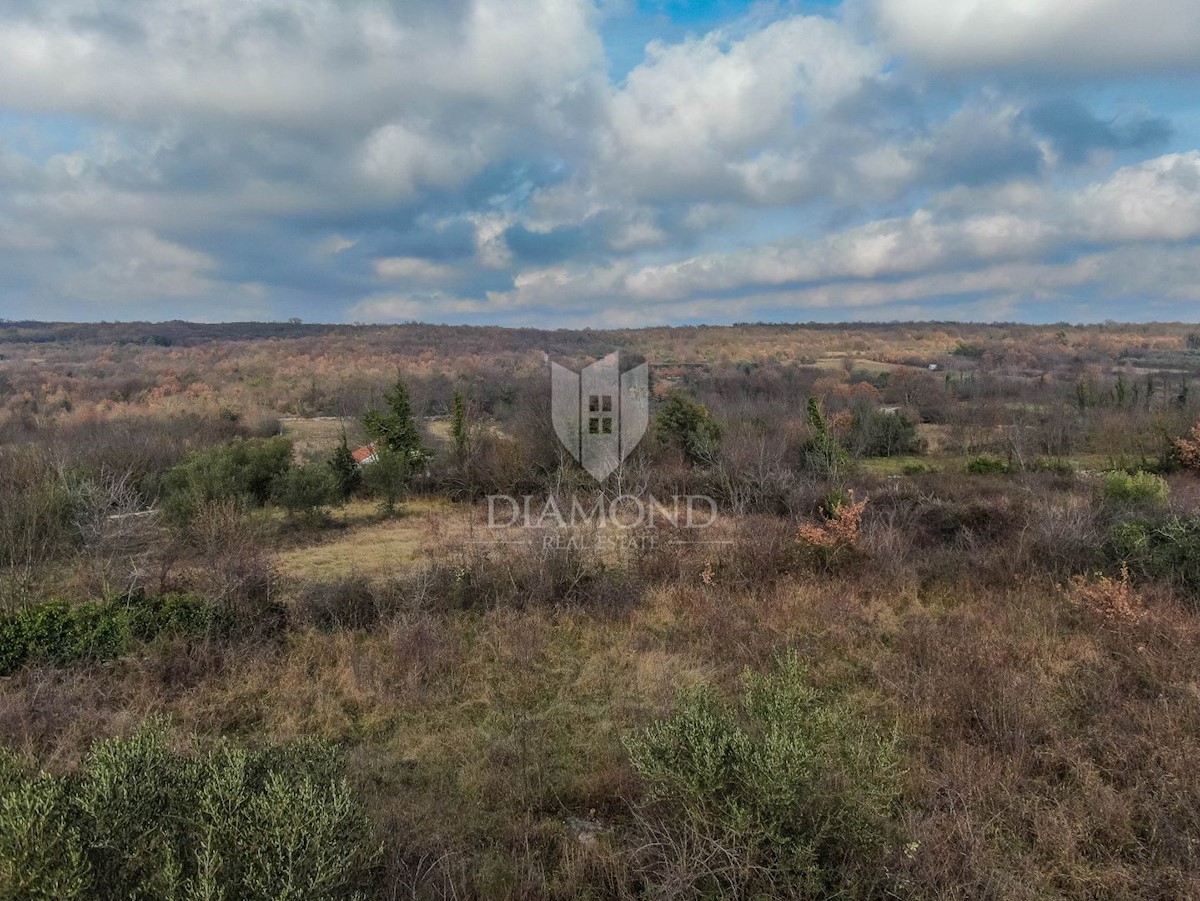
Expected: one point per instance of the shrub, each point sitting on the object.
(56, 632)
(141, 820)
(1053, 465)
(823, 454)
(243, 471)
(1168, 551)
(1187, 448)
(987, 465)
(347, 474)
(350, 603)
(684, 424)
(836, 538)
(388, 479)
(792, 789)
(306, 491)
(1113, 600)
(41, 856)
(874, 433)
(1139, 489)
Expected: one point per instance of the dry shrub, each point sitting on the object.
(228, 562)
(836, 538)
(354, 602)
(1187, 448)
(1115, 601)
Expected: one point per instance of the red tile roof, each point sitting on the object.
(364, 453)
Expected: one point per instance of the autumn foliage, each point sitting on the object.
(1187, 448)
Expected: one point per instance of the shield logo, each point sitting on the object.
(601, 413)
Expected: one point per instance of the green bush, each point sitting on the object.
(987, 465)
(788, 782)
(1138, 489)
(1055, 465)
(687, 425)
(143, 821)
(874, 433)
(306, 491)
(822, 454)
(244, 470)
(1168, 551)
(56, 632)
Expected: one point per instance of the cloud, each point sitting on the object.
(474, 160)
(1076, 132)
(693, 119)
(1074, 36)
(412, 269)
(942, 249)
(136, 264)
(432, 307)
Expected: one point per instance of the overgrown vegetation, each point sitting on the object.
(939, 641)
(143, 820)
(785, 794)
(58, 633)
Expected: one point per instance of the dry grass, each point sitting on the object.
(1046, 753)
(368, 545)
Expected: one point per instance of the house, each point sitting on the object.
(366, 455)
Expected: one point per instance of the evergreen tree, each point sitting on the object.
(687, 425)
(458, 425)
(823, 454)
(396, 429)
(346, 472)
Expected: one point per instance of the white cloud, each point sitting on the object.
(412, 269)
(133, 264)
(432, 307)
(1054, 35)
(303, 63)
(1004, 235)
(714, 118)
(333, 245)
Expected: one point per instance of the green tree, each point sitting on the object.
(245, 470)
(688, 426)
(396, 429)
(387, 478)
(458, 425)
(346, 473)
(305, 491)
(823, 454)
(874, 433)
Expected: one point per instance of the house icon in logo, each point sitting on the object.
(601, 413)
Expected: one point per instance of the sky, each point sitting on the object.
(564, 163)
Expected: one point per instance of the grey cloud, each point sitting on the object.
(1076, 132)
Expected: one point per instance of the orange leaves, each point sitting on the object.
(1113, 600)
(1188, 448)
(837, 536)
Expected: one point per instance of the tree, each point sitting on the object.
(874, 433)
(823, 454)
(458, 425)
(396, 430)
(305, 491)
(688, 426)
(346, 473)
(387, 479)
(243, 471)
